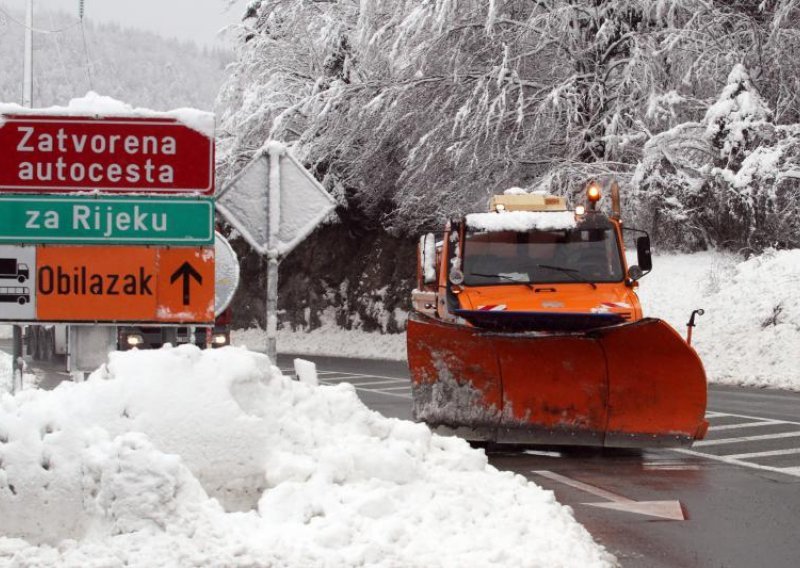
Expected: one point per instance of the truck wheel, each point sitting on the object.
(21, 279)
(22, 301)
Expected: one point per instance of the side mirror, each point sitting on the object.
(643, 254)
(427, 258)
(635, 272)
(456, 277)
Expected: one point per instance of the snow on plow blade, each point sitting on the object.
(631, 385)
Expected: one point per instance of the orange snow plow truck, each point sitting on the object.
(526, 329)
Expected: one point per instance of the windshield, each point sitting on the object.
(570, 255)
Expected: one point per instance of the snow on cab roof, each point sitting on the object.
(97, 105)
(521, 221)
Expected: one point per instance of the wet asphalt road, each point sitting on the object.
(739, 490)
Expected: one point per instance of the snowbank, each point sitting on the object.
(750, 333)
(98, 105)
(119, 470)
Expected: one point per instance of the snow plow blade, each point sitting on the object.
(630, 385)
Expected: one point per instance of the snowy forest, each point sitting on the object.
(415, 111)
(138, 67)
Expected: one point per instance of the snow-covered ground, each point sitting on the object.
(329, 339)
(749, 335)
(183, 457)
(7, 373)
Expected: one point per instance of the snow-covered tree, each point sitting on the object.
(413, 111)
(132, 65)
(731, 180)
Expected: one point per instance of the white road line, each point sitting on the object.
(793, 471)
(398, 395)
(749, 416)
(388, 389)
(703, 443)
(765, 454)
(376, 383)
(291, 372)
(714, 414)
(369, 375)
(348, 378)
(596, 491)
(745, 425)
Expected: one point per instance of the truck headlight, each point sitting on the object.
(134, 340)
(219, 339)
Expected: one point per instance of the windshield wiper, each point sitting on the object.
(571, 272)
(511, 278)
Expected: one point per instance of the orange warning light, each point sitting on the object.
(593, 192)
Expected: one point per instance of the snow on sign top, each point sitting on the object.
(521, 221)
(99, 106)
(100, 144)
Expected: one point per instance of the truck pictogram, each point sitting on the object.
(12, 268)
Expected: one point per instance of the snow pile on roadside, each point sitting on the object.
(6, 331)
(329, 340)
(750, 333)
(6, 372)
(119, 470)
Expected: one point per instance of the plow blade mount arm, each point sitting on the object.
(631, 385)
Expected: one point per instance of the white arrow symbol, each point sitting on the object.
(671, 510)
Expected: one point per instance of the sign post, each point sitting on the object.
(275, 203)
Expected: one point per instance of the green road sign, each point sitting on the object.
(106, 220)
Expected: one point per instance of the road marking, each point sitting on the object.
(758, 418)
(793, 471)
(387, 389)
(671, 510)
(373, 383)
(740, 460)
(765, 454)
(670, 467)
(398, 395)
(746, 425)
(714, 414)
(348, 377)
(703, 443)
(544, 453)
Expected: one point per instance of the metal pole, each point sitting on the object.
(27, 101)
(27, 77)
(272, 310)
(16, 377)
(273, 223)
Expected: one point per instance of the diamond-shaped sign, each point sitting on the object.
(274, 213)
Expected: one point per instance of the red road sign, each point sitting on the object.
(124, 284)
(40, 153)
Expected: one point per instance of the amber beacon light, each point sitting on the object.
(593, 194)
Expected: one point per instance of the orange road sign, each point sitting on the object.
(125, 284)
